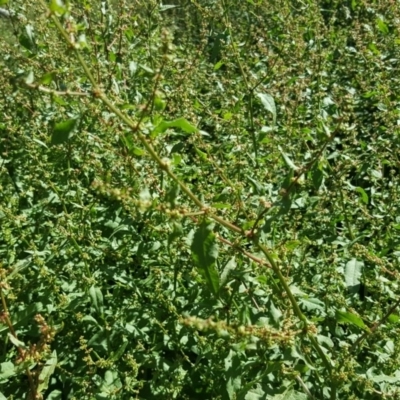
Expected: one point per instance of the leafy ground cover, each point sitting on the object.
(199, 200)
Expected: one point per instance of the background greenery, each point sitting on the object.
(232, 232)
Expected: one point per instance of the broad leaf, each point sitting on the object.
(269, 104)
(62, 131)
(352, 273)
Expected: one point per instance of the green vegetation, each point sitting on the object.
(200, 200)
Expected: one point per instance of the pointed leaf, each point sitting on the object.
(287, 159)
(97, 299)
(58, 7)
(364, 196)
(180, 123)
(16, 342)
(350, 318)
(204, 252)
(46, 372)
(230, 266)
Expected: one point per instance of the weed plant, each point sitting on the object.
(200, 200)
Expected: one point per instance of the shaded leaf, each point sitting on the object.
(62, 131)
(97, 299)
(205, 252)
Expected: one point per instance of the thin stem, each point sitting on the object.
(295, 305)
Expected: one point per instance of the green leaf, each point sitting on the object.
(233, 385)
(275, 312)
(350, 318)
(177, 232)
(257, 186)
(20, 316)
(205, 252)
(46, 372)
(57, 7)
(287, 159)
(54, 395)
(393, 318)
(201, 154)
(62, 131)
(46, 79)
(159, 104)
(117, 355)
(255, 393)
(172, 194)
(16, 342)
(7, 370)
(317, 177)
(312, 303)
(364, 196)
(352, 273)
(180, 123)
(230, 266)
(386, 378)
(2, 397)
(290, 395)
(30, 78)
(381, 25)
(218, 65)
(97, 299)
(269, 104)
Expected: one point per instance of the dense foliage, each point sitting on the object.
(200, 199)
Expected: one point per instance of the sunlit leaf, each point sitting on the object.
(269, 104)
(353, 272)
(350, 318)
(364, 196)
(180, 123)
(288, 160)
(47, 370)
